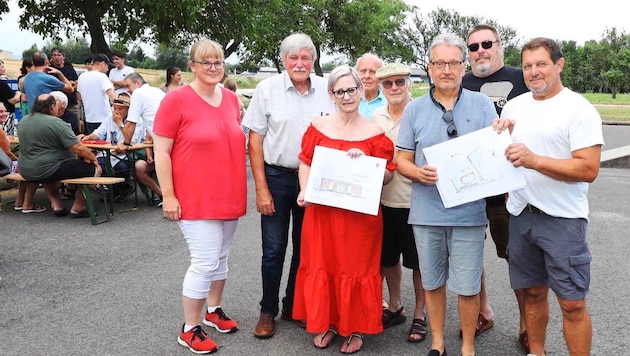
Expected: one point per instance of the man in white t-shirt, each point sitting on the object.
(120, 71)
(145, 101)
(96, 91)
(557, 139)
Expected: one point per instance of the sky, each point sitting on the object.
(572, 21)
(554, 19)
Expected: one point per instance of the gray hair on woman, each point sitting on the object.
(342, 71)
(294, 43)
(448, 39)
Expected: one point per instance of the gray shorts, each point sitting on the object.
(453, 253)
(548, 250)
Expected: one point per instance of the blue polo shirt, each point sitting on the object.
(366, 108)
(422, 126)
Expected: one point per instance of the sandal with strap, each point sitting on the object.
(393, 318)
(418, 327)
(323, 336)
(349, 340)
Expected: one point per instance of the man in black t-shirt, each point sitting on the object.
(501, 83)
(59, 62)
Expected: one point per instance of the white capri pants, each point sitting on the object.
(209, 243)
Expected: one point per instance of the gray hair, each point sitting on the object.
(294, 43)
(367, 55)
(448, 39)
(135, 78)
(342, 71)
(60, 96)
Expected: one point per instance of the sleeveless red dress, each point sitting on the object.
(339, 282)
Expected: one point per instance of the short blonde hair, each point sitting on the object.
(206, 48)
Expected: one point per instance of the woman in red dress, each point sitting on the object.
(338, 286)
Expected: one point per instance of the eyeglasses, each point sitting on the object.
(207, 64)
(451, 130)
(454, 65)
(340, 94)
(400, 82)
(474, 47)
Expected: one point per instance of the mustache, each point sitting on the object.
(296, 69)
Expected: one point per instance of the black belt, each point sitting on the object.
(533, 209)
(283, 169)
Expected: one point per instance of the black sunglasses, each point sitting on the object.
(451, 130)
(387, 84)
(474, 47)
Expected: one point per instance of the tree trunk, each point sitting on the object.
(318, 67)
(614, 92)
(93, 21)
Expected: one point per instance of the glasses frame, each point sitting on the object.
(400, 82)
(340, 94)
(205, 65)
(453, 65)
(451, 129)
(474, 47)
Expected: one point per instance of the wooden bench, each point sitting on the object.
(101, 185)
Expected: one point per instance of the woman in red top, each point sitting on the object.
(200, 164)
(338, 287)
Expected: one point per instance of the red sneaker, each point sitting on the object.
(197, 341)
(220, 321)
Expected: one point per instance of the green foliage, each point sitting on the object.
(27, 54)
(420, 33)
(332, 24)
(169, 57)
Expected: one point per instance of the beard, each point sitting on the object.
(483, 70)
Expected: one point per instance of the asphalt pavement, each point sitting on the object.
(69, 288)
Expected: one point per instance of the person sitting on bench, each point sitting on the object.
(50, 152)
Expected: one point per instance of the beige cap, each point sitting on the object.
(393, 69)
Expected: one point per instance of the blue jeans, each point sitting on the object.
(284, 188)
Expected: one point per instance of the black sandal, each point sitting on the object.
(393, 318)
(418, 327)
(331, 330)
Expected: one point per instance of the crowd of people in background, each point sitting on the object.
(339, 258)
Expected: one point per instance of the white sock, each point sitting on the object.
(212, 309)
(187, 327)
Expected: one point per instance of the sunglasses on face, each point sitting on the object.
(474, 47)
(400, 82)
(451, 130)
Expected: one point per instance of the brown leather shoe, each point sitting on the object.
(286, 315)
(266, 326)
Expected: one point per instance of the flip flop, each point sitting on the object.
(35, 209)
(349, 340)
(61, 212)
(329, 331)
(393, 318)
(418, 327)
(81, 214)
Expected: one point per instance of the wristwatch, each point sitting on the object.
(122, 126)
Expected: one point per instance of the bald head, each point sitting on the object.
(45, 104)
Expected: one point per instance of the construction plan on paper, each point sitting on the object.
(473, 167)
(337, 180)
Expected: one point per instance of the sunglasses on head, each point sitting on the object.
(387, 84)
(451, 130)
(474, 47)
